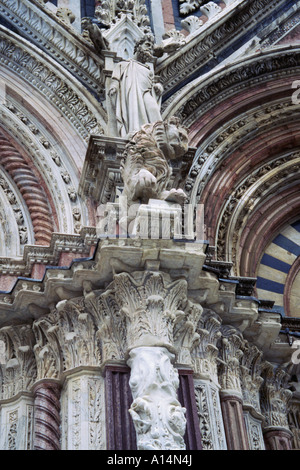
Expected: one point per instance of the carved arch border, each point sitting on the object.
(55, 84)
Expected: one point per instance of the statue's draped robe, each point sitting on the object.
(136, 103)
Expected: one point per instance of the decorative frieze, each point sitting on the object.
(254, 431)
(52, 83)
(60, 41)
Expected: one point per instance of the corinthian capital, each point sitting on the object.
(231, 353)
(150, 303)
(47, 348)
(275, 397)
(19, 368)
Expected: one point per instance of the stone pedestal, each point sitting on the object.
(46, 416)
(83, 413)
(17, 423)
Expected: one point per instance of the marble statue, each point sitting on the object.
(94, 31)
(145, 168)
(135, 91)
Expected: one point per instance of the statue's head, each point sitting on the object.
(143, 49)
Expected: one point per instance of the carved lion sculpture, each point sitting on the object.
(145, 167)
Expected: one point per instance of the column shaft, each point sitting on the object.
(47, 416)
(235, 429)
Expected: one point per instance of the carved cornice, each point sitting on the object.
(49, 255)
(54, 36)
(64, 282)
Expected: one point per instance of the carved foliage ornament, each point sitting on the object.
(109, 11)
(150, 303)
(51, 85)
(59, 41)
(18, 371)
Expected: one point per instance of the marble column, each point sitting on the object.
(156, 412)
(231, 391)
(251, 381)
(235, 428)
(278, 439)
(150, 303)
(275, 400)
(206, 383)
(47, 415)
(118, 399)
(187, 398)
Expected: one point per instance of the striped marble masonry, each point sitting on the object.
(275, 267)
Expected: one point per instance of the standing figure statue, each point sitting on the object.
(135, 91)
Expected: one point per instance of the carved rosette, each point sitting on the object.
(158, 417)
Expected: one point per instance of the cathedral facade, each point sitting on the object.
(150, 225)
